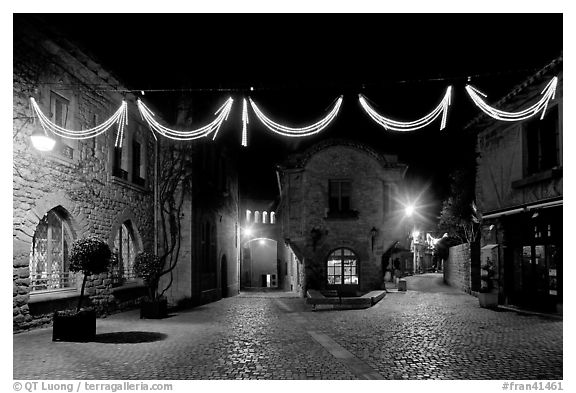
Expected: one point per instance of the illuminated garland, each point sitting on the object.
(297, 131)
(213, 127)
(390, 124)
(244, 123)
(548, 93)
(120, 117)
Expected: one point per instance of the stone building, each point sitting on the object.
(266, 260)
(81, 187)
(519, 193)
(209, 261)
(339, 214)
(90, 187)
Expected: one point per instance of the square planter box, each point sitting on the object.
(154, 310)
(488, 300)
(80, 327)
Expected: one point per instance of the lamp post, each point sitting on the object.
(409, 212)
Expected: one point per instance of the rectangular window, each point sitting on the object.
(59, 108)
(339, 196)
(137, 177)
(117, 169)
(542, 143)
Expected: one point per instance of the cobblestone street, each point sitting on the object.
(430, 332)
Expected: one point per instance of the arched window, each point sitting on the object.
(125, 249)
(272, 218)
(342, 267)
(49, 256)
(248, 215)
(264, 217)
(256, 216)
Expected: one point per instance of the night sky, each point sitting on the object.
(298, 64)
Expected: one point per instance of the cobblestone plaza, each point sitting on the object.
(429, 332)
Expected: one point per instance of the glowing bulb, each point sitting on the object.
(409, 210)
(248, 232)
(42, 142)
(415, 234)
(262, 242)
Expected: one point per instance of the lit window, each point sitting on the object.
(342, 267)
(264, 217)
(256, 216)
(49, 257)
(272, 218)
(248, 215)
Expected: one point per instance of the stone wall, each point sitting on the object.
(81, 186)
(457, 268)
(313, 234)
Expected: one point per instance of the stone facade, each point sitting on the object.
(367, 226)
(457, 268)
(281, 261)
(76, 179)
(209, 262)
(519, 184)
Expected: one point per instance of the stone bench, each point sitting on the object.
(318, 300)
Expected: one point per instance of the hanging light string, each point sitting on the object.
(390, 124)
(547, 94)
(120, 117)
(297, 131)
(213, 127)
(244, 123)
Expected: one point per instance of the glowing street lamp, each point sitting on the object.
(409, 210)
(42, 141)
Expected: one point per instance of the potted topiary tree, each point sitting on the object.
(488, 295)
(149, 267)
(90, 255)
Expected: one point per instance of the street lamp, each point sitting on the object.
(409, 211)
(42, 141)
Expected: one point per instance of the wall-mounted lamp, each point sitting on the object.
(316, 234)
(42, 141)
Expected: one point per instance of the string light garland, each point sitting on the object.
(390, 124)
(212, 127)
(120, 118)
(547, 94)
(244, 123)
(296, 132)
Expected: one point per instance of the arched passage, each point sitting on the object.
(259, 268)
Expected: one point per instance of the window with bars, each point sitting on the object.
(342, 267)
(125, 249)
(49, 256)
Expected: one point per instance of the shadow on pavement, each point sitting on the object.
(129, 337)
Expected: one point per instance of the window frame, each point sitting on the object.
(341, 258)
(67, 279)
(534, 155)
